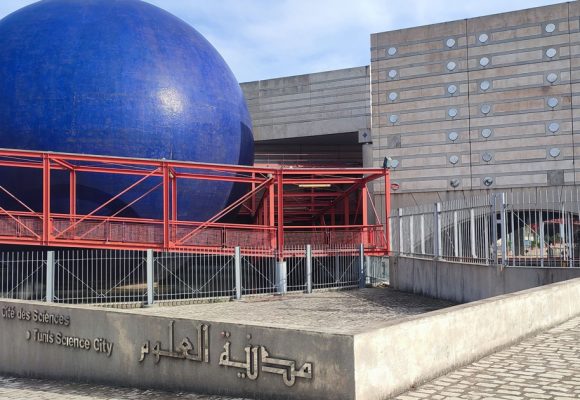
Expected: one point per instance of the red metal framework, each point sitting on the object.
(288, 207)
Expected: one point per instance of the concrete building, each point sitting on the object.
(470, 105)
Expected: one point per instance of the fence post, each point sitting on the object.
(50, 276)
(308, 268)
(401, 243)
(238, 272)
(281, 282)
(149, 266)
(542, 255)
(503, 221)
(437, 245)
(472, 233)
(362, 275)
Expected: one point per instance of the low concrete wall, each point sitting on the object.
(468, 282)
(106, 346)
(391, 359)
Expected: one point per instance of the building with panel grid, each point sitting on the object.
(470, 105)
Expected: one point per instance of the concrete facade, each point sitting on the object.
(476, 104)
(310, 105)
(483, 100)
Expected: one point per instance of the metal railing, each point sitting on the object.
(144, 277)
(536, 228)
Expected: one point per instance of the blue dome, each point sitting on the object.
(120, 78)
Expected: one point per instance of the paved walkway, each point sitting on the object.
(34, 389)
(347, 311)
(546, 366)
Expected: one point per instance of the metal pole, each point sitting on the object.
(455, 235)
(541, 244)
(49, 276)
(337, 267)
(411, 235)
(150, 294)
(308, 268)
(401, 247)
(502, 221)
(281, 282)
(472, 233)
(238, 272)
(423, 234)
(362, 275)
(437, 245)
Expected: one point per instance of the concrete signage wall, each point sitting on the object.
(120, 348)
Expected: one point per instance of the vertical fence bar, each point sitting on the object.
(362, 275)
(437, 242)
(401, 247)
(149, 261)
(472, 233)
(422, 220)
(50, 276)
(238, 272)
(503, 230)
(455, 235)
(308, 268)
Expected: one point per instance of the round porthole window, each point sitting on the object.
(486, 132)
(452, 112)
(483, 38)
(550, 28)
(453, 160)
(451, 65)
(450, 42)
(485, 85)
(393, 73)
(453, 136)
(554, 127)
(392, 51)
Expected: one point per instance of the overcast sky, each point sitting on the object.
(263, 39)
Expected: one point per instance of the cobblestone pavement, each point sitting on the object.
(546, 366)
(348, 311)
(35, 389)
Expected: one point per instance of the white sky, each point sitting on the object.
(263, 39)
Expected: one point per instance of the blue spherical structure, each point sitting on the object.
(120, 78)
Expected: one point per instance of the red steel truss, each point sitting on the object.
(289, 207)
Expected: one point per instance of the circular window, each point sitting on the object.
(484, 61)
(551, 53)
(452, 112)
(393, 96)
(483, 38)
(392, 51)
(554, 127)
(450, 42)
(485, 108)
(393, 73)
(485, 85)
(454, 182)
(486, 156)
(552, 102)
(554, 152)
(453, 136)
(394, 118)
(552, 77)
(451, 65)
(550, 27)
(451, 89)
(453, 160)
(488, 181)
(486, 132)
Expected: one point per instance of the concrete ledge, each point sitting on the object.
(390, 360)
(126, 348)
(463, 283)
